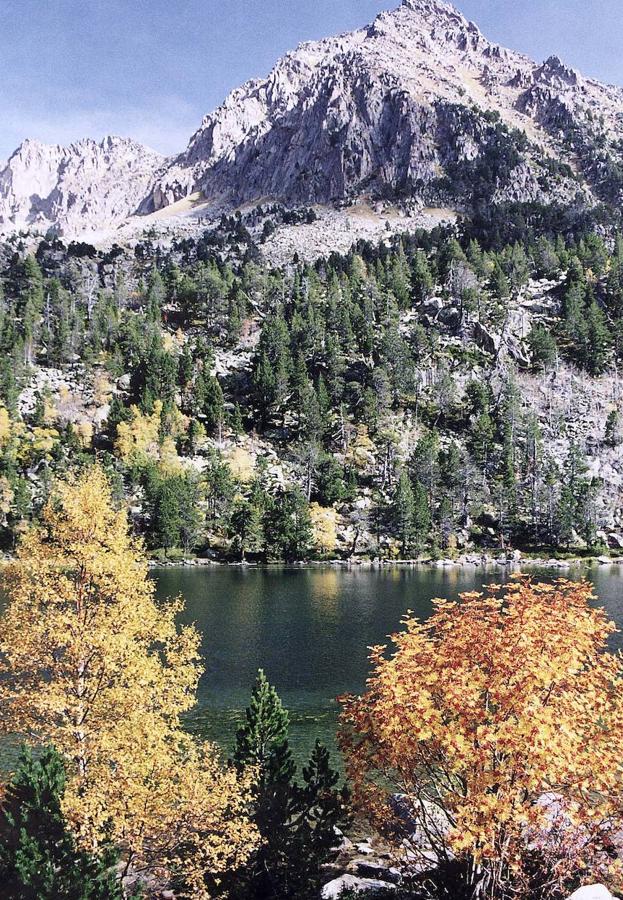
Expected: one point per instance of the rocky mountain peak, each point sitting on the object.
(431, 7)
(554, 70)
(87, 186)
(418, 105)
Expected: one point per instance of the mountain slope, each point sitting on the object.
(405, 107)
(418, 108)
(85, 187)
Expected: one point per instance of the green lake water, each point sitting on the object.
(310, 629)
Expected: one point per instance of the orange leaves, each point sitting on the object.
(497, 700)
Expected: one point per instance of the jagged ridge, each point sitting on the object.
(418, 105)
(87, 186)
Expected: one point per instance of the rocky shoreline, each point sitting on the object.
(513, 562)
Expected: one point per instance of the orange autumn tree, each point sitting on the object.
(499, 723)
(91, 664)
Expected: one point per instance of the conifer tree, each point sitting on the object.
(297, 822)
(287, 525)
(156, 295)
(402, 512)
(262, 742)
(421, 515)
(39, 858)
(245, 528)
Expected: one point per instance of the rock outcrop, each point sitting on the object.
(419, 104)
(84, 188)
(418, 108)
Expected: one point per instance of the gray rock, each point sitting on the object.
(399, 102)
(334, 889)
(592, 892)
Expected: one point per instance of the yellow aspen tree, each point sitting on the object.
(90, 663)
(499, 722)
(324, 527)
(138, 440)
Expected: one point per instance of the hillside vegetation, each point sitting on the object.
(441, 392)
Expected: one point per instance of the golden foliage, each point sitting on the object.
(498, 702)
(90, 663)
(36, 443)
(241, 463)
(84, 433)
(139, 439)
(7, 495)
(102, 389)
(5, 427)
(324, 526)
(361, 451)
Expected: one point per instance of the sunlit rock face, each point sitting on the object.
(419, 105)
(86, 187)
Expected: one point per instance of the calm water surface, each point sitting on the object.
(310, 629)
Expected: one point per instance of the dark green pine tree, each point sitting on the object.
(264, 388)
(235, 420)
(319, 808)
(421, 515)
(402, 513)
(262, 742)
(156, 296)
(287, 525)
(245, 528)
(39, 859)
(597, 340)
(297, 822)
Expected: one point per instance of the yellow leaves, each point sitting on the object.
(90, 663)
(495, 701)
(360, 454)
(7, 496)
(324, 526)
(102, 389)
(38, 443)
(241, 463)
(84, 433)
(5, 427)
(138, 440)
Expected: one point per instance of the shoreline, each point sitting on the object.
(483, 562)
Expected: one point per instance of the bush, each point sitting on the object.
(499, 723)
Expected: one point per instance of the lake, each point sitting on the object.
(309, 629)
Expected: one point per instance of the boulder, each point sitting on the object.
(365, 848)
(592, 892)
(334, 889)
(486, 340)
(370, 868)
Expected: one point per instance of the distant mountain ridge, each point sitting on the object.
(87, 186)
(417, 106)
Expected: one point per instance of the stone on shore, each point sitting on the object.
(334, 889)
(592, 892)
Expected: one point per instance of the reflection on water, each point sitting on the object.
(309, 629)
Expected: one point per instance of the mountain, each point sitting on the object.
(86, 187)
(417, 108)
(419, 104)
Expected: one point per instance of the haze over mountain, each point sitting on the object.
(417, 108)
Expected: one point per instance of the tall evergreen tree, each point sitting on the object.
(402, 512)
(297, 822)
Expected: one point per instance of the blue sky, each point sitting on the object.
(151, 69)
